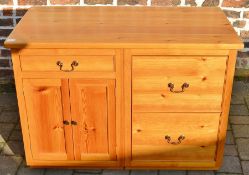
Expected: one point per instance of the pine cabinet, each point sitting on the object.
(124, 87)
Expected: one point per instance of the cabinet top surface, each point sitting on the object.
(124, 27)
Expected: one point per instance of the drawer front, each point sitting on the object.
(68, 63)
(196, 83)
(159, 136)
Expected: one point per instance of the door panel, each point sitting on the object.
(44, 107)
(93, 108)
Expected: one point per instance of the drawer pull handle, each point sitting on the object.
(171, 87)
(180, 139)
(73, 64)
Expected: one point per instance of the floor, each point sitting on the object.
(236, 158)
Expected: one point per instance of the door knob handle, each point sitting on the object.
(73, 122)
(65, 122)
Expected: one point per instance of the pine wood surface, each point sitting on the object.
(93, 107)
(228, 85)
(102, 149)
(214, 153)
(85, 63)
(149, 131)
(152, 74)
(124, 27)
(122, 129)
(43, 98)
(118, 94)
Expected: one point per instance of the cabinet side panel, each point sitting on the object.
(225, 106)
(21, 105)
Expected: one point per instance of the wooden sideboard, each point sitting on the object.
(133, 87)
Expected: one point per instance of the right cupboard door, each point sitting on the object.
(93, 119)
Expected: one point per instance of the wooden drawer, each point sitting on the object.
(151, 76)
(150, 129)
(85, 63)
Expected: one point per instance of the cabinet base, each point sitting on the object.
(132, 165)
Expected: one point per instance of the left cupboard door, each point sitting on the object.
(48, 115)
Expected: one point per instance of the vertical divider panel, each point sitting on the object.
(127, 105)
(119, 90)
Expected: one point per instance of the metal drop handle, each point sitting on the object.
(171, 87)
(73, 64)
(180, 139)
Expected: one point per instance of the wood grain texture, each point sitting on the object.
(129, 27)
(93, 108)
(149, 131)
(127, 106)
(173, 165)
(67, 52)
(118, 95)
(87, 75)
(85, 63)
(215, 150)
(67, 117)
(21, 105)
(45, 118)
(94, 159)
(179, 52)
(228, 85)
(152, 74)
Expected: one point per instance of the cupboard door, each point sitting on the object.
(45, 107)
(93, 116)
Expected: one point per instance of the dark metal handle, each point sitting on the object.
(65, 122)
(73, 64)
(180, 139)
(73, 122)
(171, 87)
